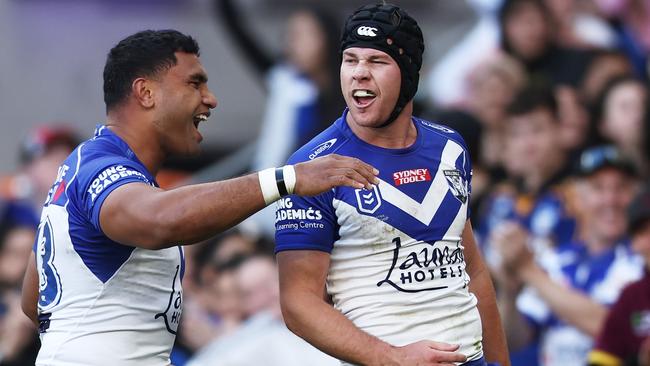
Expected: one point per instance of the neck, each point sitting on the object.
(140, 137)
(399, 134)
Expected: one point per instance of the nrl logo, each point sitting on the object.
(457, 184)
(368, 201)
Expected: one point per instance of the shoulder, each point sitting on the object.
(439, 131)
(325, 143)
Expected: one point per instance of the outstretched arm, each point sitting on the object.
(144, 216)
(306, 313)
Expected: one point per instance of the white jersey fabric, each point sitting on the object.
(101, 302)
(397, 264)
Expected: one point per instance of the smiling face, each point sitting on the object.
(182, 101)
(370, 82)
(606, 195)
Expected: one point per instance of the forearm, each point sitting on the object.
(330, 331)
(197, 212)
(495, 348)
(568, 304)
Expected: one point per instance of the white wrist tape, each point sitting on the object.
(268, 185)
(289, 178)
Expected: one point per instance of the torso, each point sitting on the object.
(101, 302)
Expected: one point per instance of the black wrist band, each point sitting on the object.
(279, 180)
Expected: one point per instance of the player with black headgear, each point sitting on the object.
(396, 260)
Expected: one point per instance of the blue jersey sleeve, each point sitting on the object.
(305, 223)
(98, 178)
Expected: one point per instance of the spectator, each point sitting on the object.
(535, 195)
(622, 116)
(263, 339)
(625, 337)
(303, 96)
(527, 33)
(567, 290)
(18, 339)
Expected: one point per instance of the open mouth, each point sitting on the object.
(363, 97)
(202, 117)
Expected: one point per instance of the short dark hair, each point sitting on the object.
(145, 53)
(532, 97)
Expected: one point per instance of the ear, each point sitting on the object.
(143, 92)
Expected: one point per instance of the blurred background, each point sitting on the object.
(551, 97)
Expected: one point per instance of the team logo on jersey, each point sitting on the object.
(457, 184)
(411, 176)
(421, 266)
(368, 201)
(367, 31)
(321, 147)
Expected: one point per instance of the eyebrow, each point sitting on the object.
(199, 77)
(370, 58)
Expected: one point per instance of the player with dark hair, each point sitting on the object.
(104, 283)
(395, 260)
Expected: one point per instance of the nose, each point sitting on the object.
(209, 99)
(360, 71)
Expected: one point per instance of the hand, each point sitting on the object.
(511, 241)
(427, 353)
(326, 172)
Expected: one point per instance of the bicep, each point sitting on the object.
(30, 290)
(126, 215)
(302, 271)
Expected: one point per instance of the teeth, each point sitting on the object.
(363, 93)
(201, 117)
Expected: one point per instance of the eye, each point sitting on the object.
(195, 84)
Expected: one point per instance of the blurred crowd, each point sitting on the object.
(553, 100)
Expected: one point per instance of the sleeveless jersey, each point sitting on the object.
(101, 302)
(397, 266)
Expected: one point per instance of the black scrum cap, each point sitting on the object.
(389, 29)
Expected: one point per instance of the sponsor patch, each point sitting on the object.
(110, 176)
(422, 266)
(411, 176)
(289, 217)
(438, 127)
(322, 147)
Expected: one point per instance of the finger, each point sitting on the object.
(443, 356)
(343, 180)
(442, 346)
(367, 170)
(355, 176)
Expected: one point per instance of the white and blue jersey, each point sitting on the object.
(101, 302)
(397, 265)
(601, 277)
